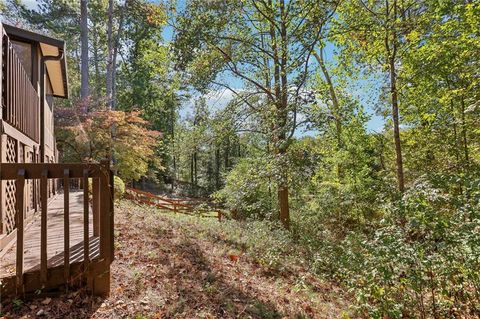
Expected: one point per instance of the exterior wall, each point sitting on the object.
(17, 147)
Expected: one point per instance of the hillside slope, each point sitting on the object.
(177, 266)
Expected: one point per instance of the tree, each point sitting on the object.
(113, 43)
(375, 33)
(87, 137)
(259, 43)
(84, 90)
(442, 97)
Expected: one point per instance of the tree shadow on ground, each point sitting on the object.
(200, 289)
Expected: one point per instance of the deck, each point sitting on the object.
(36, 263)
(55, 237)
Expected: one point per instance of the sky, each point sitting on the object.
(363, 93)
(221, 98)
(30, 3)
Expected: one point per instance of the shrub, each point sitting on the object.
(119, 186)
(264, 241)
(421, 262)
(249, 190)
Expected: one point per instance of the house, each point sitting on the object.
(39, 209)
(33, 72)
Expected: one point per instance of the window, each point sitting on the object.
(24, 53)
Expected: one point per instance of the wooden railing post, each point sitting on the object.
(66, 224)
(105, 208)
(43, 225)
(19, 193)
(96, 206)
(86, 208)
(112, 213)
(101, 284)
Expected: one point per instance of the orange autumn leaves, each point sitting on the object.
(124, 136)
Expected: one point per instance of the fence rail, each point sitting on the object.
(20, 100)
(176, 206)
(102, 208)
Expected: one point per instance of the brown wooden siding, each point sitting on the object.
(20, 101)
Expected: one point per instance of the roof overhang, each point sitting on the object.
(50, 47)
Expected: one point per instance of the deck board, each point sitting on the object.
(55, 237)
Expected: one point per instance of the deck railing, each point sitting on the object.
(101, 179)
(20, 100)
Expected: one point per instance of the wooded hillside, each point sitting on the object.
(347, 130)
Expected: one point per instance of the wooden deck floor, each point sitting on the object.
(55, 237)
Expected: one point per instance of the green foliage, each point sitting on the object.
(264, 241)
(119, 186)
(249, 190)
(419, 261)
(17, 304)
(426, 266)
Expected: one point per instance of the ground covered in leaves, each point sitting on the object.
(176, 266)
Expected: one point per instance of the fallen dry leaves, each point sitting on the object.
(164, 270)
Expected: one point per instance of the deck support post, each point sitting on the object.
(20, 188)
(43, 226)
(101, 285)
(66, 225)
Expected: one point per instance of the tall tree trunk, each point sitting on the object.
(282, 121)
(396, 127)
(96, 60)
(217, 168)
(192, 178)
(113, 43)
(464, 133)
(227, 154)
(109, 76)
(84, 88)
(172, 123)
(392, 55)
(280, 102)
(195, 169)
(458, 165)
(115, 54)
(335, 104)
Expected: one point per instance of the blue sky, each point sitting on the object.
(30, 3)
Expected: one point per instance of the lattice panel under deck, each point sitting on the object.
(10, 188)
(10, 206)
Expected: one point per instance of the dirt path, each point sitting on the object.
(165, 268)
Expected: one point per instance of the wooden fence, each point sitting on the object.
(176, 206)
(103, 222)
